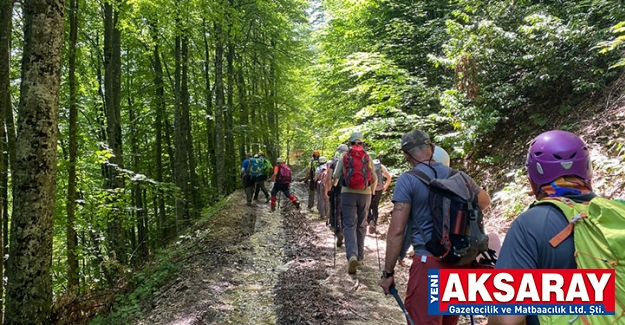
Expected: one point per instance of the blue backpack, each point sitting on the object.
(254, 167)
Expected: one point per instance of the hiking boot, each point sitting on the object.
(361, 262)
(249, 204)
(339, 240)
(352, 265)
(297, 205)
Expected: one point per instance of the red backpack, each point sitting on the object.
(357, 172)
(284, 174)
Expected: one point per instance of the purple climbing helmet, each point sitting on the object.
(558, 153)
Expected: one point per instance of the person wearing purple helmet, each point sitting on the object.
(558, 165)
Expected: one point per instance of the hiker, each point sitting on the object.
(411, 202)
(265, 172)
(359, 182)
(247, 178)
(441, 156)
(323, 204)
(282, 178)
(333, 193)
(308, 180)
(558, 165)
(381, 172)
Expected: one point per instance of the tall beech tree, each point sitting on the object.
(29, 287)
(112, 105)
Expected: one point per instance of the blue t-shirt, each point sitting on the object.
(409, 189)
(526, 245)
(244, 165)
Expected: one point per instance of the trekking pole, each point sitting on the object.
(393, 291)
(378, 249)
(334, 245)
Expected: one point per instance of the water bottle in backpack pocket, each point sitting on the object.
(458, 231)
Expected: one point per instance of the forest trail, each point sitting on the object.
(248, 265)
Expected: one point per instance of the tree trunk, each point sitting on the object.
(231, 164)
(244, 112)
(72, 238)
(112, 87)
(273, 107)
(6, 8)
(210, 118)
(12, 153)
(163, 224)
(137, 191)
(219, 108)
(29, 289)
(181, 175)
(193, 185)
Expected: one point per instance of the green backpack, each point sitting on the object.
(599, 228)
(267, 169)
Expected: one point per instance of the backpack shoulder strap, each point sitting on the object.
(420, 175)
(568, 209)
(425, 178)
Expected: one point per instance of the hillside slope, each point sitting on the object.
(599, 121)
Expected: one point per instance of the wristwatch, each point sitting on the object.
(386, 275)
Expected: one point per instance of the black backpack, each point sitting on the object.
(458, 234)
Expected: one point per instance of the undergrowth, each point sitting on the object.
(147, 282)
(608, 181)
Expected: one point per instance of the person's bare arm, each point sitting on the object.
(328, 181)
(394, 241)
(387, 177)
(483, 200)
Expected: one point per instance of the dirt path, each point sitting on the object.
(248, 265)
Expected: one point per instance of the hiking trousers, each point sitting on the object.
(336, 220)
(260, 185)
(312, 191)
(417, 293)
(375, 203)
(323, 203)
(248, 184)
(284, 188)
(355, 211)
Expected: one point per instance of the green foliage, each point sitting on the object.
(465, 66)
(127, 308)
(147, 282)
(616, 43)
(514, 198)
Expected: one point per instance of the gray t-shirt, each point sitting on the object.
(409, 189)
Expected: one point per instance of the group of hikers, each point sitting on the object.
(559, 169)
(256, 169)
(560, 174)
(348, 189)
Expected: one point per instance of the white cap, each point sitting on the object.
(441, 156)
